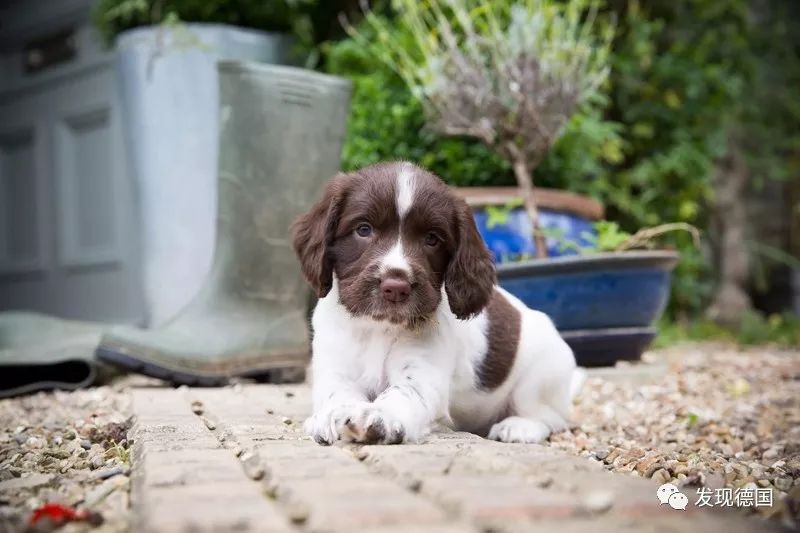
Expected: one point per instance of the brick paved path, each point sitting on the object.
(235, 459)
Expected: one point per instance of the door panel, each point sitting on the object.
(20, 204)
(68, 245)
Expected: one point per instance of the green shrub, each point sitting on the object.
(755, 328)
(386, 122)
(111, 17)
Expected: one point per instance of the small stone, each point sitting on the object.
(598, 502)
(289, 394)
(649, 464)
(661, 476)
(286, 420)
(413, 484)
(209, 424)
(106, 473)
(270, 412)
(298, 513)
(271, 489)
(101, 492)
(772, 453)
(58, 440)
(97, 461)
(783, 483)
(601, 454)
(34, 442)
(86, 444)
(763, 483)
(252, 466)
(15, 484)
(545, 482)
(197, 407)
(58, 454)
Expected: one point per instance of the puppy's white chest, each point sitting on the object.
(371, 352)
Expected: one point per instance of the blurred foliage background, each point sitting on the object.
(687, 76)
(684, 73)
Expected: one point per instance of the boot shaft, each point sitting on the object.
(281, 135)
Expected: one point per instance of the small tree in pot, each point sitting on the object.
(508, 73)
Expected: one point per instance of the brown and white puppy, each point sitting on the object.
(411, 329)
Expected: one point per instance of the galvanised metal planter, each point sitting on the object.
(604, 304)
(168, 86)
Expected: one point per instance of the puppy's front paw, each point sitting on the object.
(372, 425)
(329, 424)
(518, 429)
(321, 428)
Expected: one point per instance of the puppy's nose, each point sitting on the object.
(395, 290)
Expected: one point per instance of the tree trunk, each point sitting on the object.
(524, 181)
(730, 180)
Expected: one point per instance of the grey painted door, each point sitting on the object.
(67, 240)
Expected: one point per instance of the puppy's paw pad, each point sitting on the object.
(371, 425)
(518, 429)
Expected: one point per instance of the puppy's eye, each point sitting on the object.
(431, 239)
(363, 230)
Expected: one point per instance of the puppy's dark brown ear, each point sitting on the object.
(470, 277)
(314, 231)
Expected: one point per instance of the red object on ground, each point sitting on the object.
(59, 514)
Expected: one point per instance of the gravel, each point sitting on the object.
(69, 448)
(696, 415)
(699, 416)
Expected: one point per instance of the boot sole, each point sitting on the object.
(294, 374)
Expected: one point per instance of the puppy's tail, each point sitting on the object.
(577, 381)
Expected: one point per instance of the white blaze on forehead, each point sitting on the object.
(405, 189)
(395, 259)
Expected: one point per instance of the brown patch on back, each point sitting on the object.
(502, 337)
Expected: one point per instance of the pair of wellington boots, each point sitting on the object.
(281, 134)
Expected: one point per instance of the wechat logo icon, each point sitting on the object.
(670, 495)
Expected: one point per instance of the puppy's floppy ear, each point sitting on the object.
(314, 231)
(470, 277)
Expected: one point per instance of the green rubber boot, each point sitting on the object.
(40, 352)
(281, 134)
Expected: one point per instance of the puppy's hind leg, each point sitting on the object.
(537, 409)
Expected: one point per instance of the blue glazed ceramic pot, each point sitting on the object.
(511, 240)
(607, 290)
(606, 346)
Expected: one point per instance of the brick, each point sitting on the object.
(499, 498)
(189, 467)
(413, 460)
(185, 435)
(349, 504)
(219, 506)
(296, 460)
